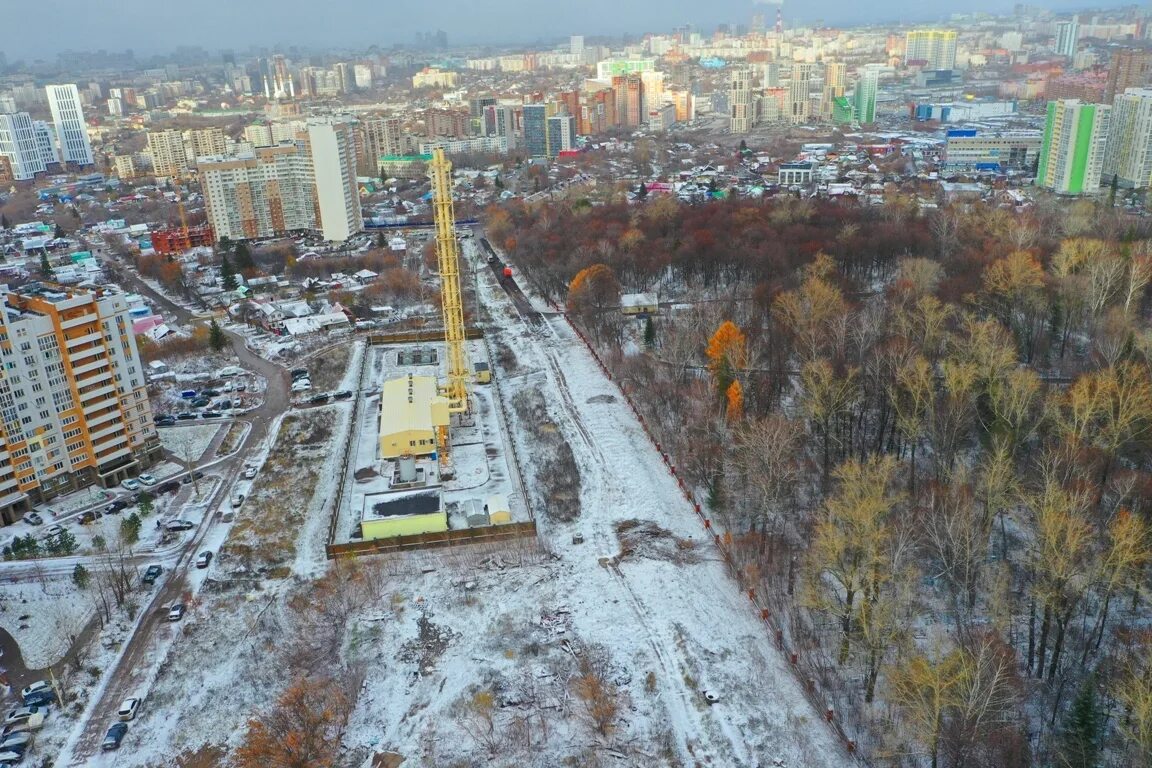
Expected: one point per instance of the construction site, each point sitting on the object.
(428, 452)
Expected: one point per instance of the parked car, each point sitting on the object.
(343, 394)
(200, 402)
(190, 477)
(129, 484)
(32, 689)
(209, 393)
(128, 709)
(116, 506)
(34, 518)
(40, 699)
(114, 736)
(301, 385)
(53, 530)
(19, 742)
(24, 714)
(88, 517)
(250, 472)
(9, 759)
(147, 479)
(299, 373)
(185, 416)
(237, 500)
(210, 415)
(152, 573)
(204, 559)
(179, 525)
(322, 398)
(172, 486)
(176, 612)
(164, 421)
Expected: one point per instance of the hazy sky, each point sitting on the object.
(40, 28)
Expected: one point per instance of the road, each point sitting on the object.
(119, 683)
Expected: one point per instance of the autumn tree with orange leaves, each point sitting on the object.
(303, 729)
(727, 353)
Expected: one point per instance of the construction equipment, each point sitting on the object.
(451, 302)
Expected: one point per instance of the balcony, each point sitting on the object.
(77, 321)
(79, 354)
(94, 379)
(100, 434)
(103, 418)
(90, 408)
(88, 338)
(117, 437)
(88, 395)
(80, 369)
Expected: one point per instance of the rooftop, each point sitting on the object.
(407, 404)
(381, 506)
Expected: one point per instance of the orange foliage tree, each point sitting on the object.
(727, 353)
(735, 396)
(303, 730)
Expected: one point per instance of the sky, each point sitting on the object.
(41, 28)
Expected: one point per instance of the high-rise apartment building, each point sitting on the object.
(864, 98)
(1128, 149)
(18, 145)
(535, 121)
(800, 92)
(561, 134)
(1067, 36)
(500, 120)
(333, 149)
(45, 142)
(834, 72)
(169, 155)
(382, 136)
(1072, 155)
(1128, 68)
(446, 122)
(258, 194)
(741, 115)
(71, 130)
(205, 142)
(258, 135)
(930, 48)
(73, 404)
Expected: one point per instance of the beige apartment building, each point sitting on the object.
(74, 409)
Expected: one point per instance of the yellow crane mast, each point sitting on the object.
(448, 253)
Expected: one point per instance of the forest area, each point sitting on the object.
(927, 434)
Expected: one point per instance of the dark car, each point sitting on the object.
(179, 525)
(114, 736)
(116, 506)
(204, 559)
(164, 421)
(185, 416)
(172, 486)
(152, 574)
(210, 415)
(40, 698)
(319, 399)
(90, 516)
(343, 394)
(299, 373)
(209, 393)
(194, 476)
(200, 402)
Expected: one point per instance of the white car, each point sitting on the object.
(129, 484)
(128, 709)
(249, 473)
(53, 530)
(301, 385)
(147, 479)
(237, 499)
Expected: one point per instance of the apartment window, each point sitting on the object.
(58, 466)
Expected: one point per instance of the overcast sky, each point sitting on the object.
(41, 28)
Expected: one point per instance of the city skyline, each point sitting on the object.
(220, 25)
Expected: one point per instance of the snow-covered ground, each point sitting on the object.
(189, 442)
(642, 600)
(43, 617)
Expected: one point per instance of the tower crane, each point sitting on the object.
(448, 254)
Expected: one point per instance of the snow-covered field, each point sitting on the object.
(43, 617)
(189, 443)
(483, 655)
